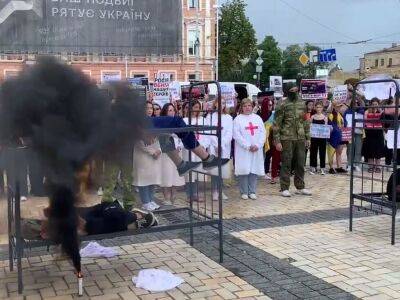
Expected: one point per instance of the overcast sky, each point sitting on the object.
(326, 22)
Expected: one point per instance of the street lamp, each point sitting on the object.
(217, 7)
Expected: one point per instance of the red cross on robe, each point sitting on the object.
(251, 127)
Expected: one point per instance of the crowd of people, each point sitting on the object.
(268, 139)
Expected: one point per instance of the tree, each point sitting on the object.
(272, 64)
(293, 69)
(236, 39)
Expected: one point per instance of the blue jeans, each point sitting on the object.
(146, 193)
(188, 138)
(248, 184)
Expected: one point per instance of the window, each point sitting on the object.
(376, 63)
(382, 62)
(139, 75)
(192, 77)
(193, 3)
(390, 62)
(193, 42)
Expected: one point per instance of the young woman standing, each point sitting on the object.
(249, 134)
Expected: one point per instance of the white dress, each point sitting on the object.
(226, 142)
(203, 140)
(249, 130)
(146, 169)
(169, 173)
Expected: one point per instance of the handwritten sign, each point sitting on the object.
(228, 93)
(346, 134)
(340, 93)
(320, 131)
(175, 90)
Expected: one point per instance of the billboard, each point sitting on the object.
(136, 27)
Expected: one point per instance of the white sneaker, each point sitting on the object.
(267, 176)
(322, 171)
(253, 196)
(155, 205)
(148, 207)
(286, 193)
(23, 198)
(100, 191)
(348, 169)
(245, 197)
(304, 192)
(312, 171)
(357, 169)
(224, 197)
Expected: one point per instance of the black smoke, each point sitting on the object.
(68, 120)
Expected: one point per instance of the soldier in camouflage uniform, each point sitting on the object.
(292, 136)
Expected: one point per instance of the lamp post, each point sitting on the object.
(197, 45)
(217, 7)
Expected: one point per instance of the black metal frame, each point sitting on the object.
(378, 202)
(17, 243)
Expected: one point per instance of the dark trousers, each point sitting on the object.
(318, 146)
(267, 161)
(276, 163)
(188, 138)
(293, 153)
(106, 218)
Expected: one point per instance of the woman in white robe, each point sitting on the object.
(226, 145)
(169, 174)
(196, 120)
(249, 134)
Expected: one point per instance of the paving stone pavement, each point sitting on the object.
(48, 278)
(264, 245)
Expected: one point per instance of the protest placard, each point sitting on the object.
(276, 85)
(320, 131)
(346, 134)
(175, 90)
(312, 89)
(340, 93)
(161, 88)
(228, 93)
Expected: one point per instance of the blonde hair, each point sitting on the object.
(245, 101)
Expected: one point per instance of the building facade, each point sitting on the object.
(197, 55)
(385, 61)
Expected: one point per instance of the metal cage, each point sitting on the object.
(187, 217)
(370, 194)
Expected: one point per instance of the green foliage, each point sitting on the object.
(272, 64)
(236, 39)
(293, 69)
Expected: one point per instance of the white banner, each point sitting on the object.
(320, 131)
(340, 93)
(161, 88)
